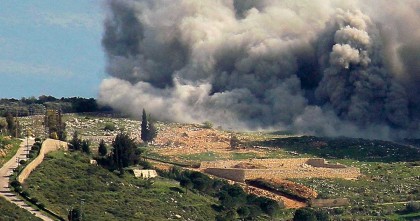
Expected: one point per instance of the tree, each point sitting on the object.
(304, 214)
(185, 182)
(148, 129)
(76, 142)
(124, 152)
(152, 132)
(234, 141)
(54, 122)
(102, 151)
(86, 146)
(3, 125)
(74, 214)
(11, 124)
(144, 130)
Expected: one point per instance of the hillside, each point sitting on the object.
(389, 171)
(64, 179)
(10, 212)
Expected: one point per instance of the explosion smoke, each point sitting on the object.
(325, 67)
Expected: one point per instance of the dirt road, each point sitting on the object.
(7, 170)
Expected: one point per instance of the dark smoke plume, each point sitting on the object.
(325, 67)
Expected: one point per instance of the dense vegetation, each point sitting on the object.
(32, 105)
(64, 179)
(234, 202)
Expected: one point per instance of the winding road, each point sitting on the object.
(5, 173)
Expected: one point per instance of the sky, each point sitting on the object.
(51, 47)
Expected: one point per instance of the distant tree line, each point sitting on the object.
(31, 105)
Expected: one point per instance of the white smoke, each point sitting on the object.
(319, 66)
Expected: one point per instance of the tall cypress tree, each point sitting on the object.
(148, 129)
(151, 130)
(144, 129)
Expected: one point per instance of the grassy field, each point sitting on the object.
(10, 212)
(64, 179)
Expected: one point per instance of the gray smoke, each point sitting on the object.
(325, 67)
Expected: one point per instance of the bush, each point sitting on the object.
(304, 214)
(207, 125)
(412, 207)
(145, 164)
(18, 189)
(33, 200)
(15, 183)
(41, 205)
(25, 194)
(110, 126)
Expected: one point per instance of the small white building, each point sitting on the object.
(145, 174)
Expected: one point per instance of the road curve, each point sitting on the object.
(7, 169)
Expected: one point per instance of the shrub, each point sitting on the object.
(33, 200)
(41, 205)
(412, 207)
(15, 183)
(207, 125)
(25, 194)
(18, 189)
(110, 126)
(304, 214)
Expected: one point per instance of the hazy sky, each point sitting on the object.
(51, 47)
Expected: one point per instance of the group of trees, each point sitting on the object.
(234, 201)
(67, 105)
(10, 125)
(124, 152)
(78, 144)
(309, 214)
(53, 120)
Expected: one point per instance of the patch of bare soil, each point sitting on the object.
(297, 189)
(288, 203)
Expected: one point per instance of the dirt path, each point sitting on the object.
(5, 173)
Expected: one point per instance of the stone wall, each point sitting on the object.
(280, 169)
(319, 162)
(346, 173)
(47, 146)
(270, 163)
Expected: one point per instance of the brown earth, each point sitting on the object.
(298, 189)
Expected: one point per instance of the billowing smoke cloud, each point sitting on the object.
(326, 67)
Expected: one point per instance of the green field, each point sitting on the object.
(64, 179)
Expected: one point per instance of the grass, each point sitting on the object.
(9, 211)
(14, 146)
(198, 157)
(64, 179)
(345, 148)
